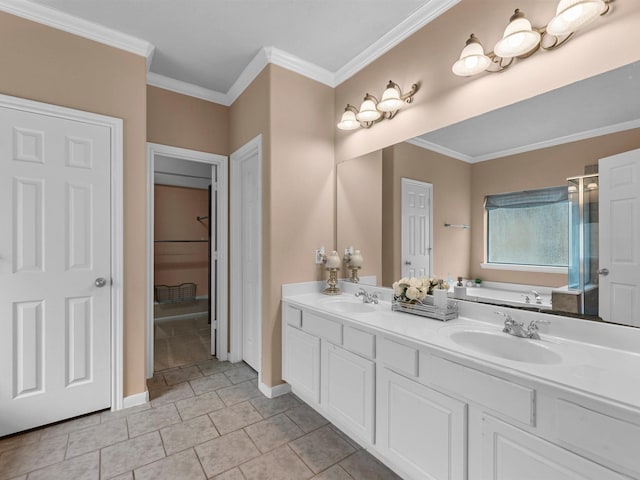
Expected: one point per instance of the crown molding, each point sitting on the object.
(77, 26)
(434, 147)
(400, 32)
(574, 137)
(248, 75)
(184, 88)
(299, 66)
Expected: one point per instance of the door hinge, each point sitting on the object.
(214, 324)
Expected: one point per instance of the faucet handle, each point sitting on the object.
(534, 323)
(507, 317)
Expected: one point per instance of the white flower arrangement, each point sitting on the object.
(416, 289)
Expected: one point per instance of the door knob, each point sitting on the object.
(100, 282)
(407, 262)
(603, 271)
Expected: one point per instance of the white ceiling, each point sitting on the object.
(602, 104)
(208, 43)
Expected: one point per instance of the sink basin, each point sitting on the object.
(502, 345)
(346, 306)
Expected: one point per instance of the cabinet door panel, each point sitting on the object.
(509, 453)
(421, 430)
(348, 390)
(302, 364)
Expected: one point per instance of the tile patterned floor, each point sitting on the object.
(204, 421)
(179, 342)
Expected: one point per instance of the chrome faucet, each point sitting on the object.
(536, 295)
(367, 297)
(532, 329)
(517, 329)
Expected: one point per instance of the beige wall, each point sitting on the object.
(176, 209)
(426, 57)
(186, 122)
(541, 168)
(48, 65)
(451, 180)
(294, 116)
(302, 191)
(359, 211)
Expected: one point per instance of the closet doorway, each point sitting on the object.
(187, 259)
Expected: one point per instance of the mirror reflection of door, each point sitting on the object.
(417, 214)
(620, 228)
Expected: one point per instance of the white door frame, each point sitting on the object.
(115, 126)
(220, 162)
(406, 181)
(248, 150)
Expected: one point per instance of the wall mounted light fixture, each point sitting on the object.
(521, 40)
(373, 111)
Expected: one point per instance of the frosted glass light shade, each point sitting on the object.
(356, 259)
(572, 15)
(348, 121)
(472, 59)
(333, 260)
(391, 100)
(518, 38)
(368, 111)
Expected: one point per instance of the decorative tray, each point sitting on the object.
(426, 308)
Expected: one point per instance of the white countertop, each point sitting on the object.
(598, 360)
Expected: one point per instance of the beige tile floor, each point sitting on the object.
(182, 341)
(204, 421)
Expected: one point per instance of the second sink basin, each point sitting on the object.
(502, 345)
(348, 306)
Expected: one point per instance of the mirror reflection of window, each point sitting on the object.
(528, 228)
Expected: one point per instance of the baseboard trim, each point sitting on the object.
(135, 400)
(275, 391)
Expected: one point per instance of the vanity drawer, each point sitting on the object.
(293, 316)
(322, 327)
(598, 435)
(359, 342)
(507, 398)
(399, 357)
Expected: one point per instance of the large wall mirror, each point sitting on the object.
(532, 145)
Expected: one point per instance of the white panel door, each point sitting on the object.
(55, 345)
(416, 228)
(619, 213)
(250, 261)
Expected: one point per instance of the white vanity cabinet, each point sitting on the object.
(430, 413)
(419, 429)
(510, 453)
(347, 385)
(331, 366)
(302, 364)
